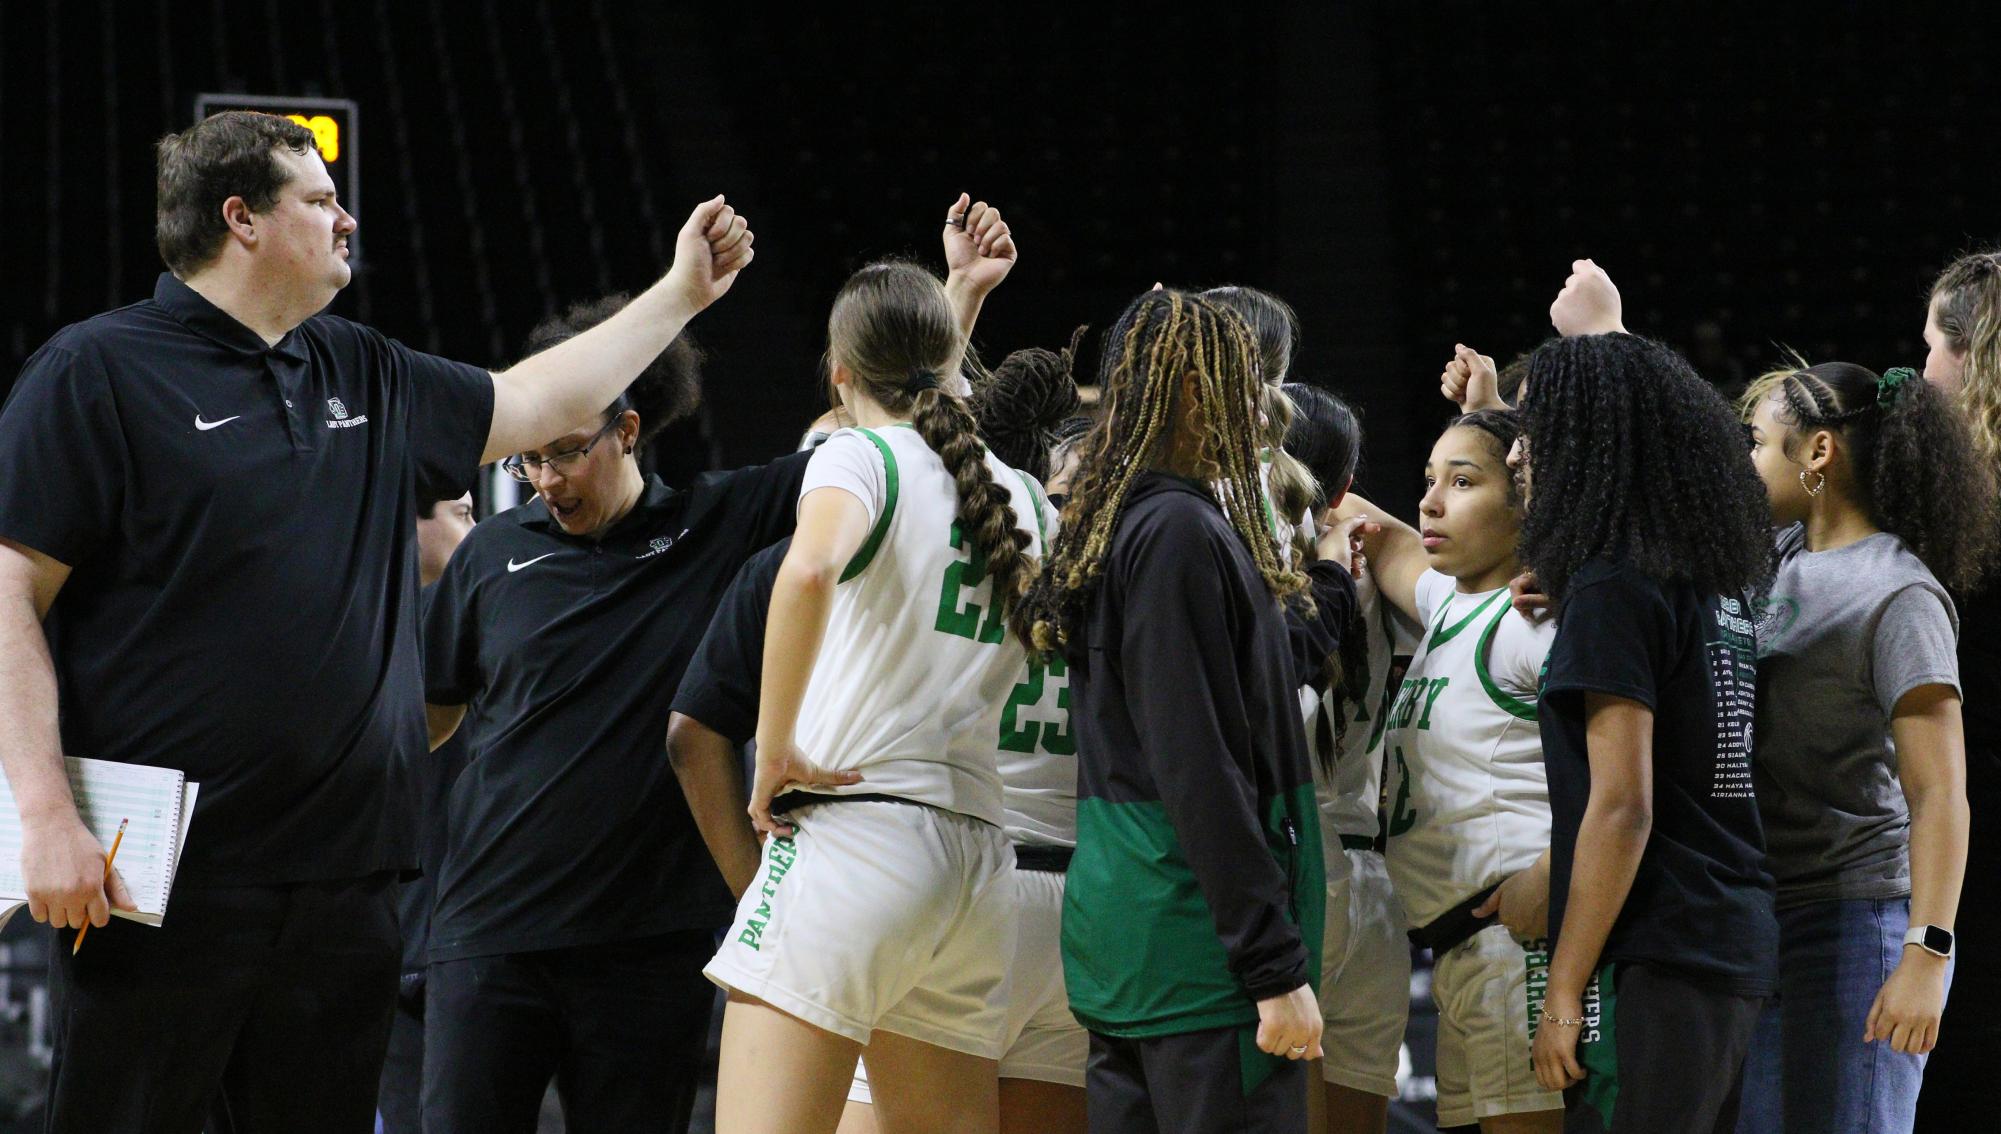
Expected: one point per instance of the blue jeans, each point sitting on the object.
(1808, 1068)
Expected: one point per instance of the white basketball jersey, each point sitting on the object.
(1350, 791)
(1038, 748)
(917, 665)
(1467, 802)
(1038, 757)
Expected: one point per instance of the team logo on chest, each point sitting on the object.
(659, 545)
(340, 418)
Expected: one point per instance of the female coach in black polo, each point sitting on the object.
(578, 903)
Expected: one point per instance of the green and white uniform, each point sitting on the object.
(1365, 958)
(1038, 766)
(1037, 758)
(882, 914)
(1467, 805)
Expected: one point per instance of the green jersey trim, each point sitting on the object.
(881, 530)
(1441, 634)
(1526, 711)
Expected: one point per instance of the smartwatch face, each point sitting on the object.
(1937, 940)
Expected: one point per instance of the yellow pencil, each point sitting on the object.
(113, 854)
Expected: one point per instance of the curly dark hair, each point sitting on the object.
(1021, 404)
(668, 390)
(1913, 460)
(1634, 458)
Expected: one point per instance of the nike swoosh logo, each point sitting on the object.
(512, 566)
(205, 426)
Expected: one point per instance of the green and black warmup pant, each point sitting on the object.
(1208, 1082)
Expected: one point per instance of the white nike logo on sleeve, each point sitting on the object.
(205, 426)
(512, 566)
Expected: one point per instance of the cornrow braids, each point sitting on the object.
(1911, 459)
(1766, 384)
(1020, 405)
(893, 330)
(1160, 341)
(1966, 303)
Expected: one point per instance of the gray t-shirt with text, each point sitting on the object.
(1843, 636)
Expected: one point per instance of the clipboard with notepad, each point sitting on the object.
(157, 802)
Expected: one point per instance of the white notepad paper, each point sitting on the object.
(154, 803)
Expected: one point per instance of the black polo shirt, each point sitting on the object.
(434, 773)
(241, 525)
(725, 679)
(568, 826)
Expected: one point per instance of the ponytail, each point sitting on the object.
(1911, 457)
(894, 331)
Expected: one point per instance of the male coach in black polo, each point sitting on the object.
(206, 515)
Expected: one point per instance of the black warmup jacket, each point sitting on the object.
(1198, 887)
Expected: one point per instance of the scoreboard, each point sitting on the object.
(336, 127)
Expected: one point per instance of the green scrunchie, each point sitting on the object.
(1892, 381)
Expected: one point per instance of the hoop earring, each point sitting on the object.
(1814, 488)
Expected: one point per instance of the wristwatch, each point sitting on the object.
(1931, 939)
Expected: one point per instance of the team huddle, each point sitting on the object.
(1109, 766)
(1105, 764)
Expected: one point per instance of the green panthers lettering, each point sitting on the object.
(782, 854)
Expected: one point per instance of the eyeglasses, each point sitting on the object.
(524, 468)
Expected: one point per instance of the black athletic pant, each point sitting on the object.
(622, 1027)
(1680, 1046)
(399, 1099)
(1209, 1082)
(254, 1009)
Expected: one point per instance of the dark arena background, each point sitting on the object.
(1408, 176)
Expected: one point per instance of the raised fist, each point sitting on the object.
(979, 248)
(1588, 303)
(1469, 381)
(711, 248)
